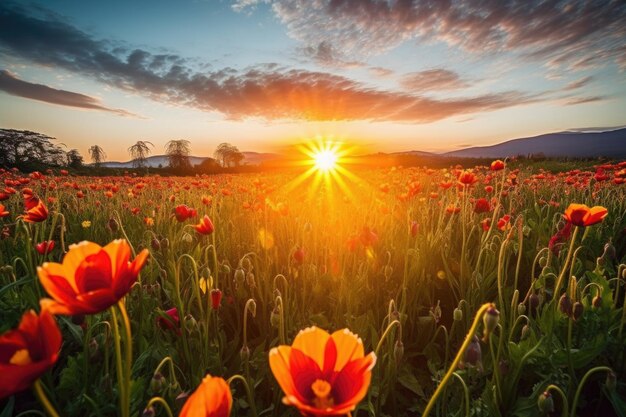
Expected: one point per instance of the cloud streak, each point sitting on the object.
(10, 84)
(575, 34)
(269, 91)
(433, 80)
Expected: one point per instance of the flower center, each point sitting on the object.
(322, 399)
(20, 357)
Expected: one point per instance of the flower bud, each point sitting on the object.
(225, 269)
(250, 281)
(244, 353)
(543, 261)
(490, 320)
(596, 302)
(565, 305)
(157, 383)
(457, 315)
(216, 298)
(545, 403)
(611, 380)
(156, 245)
(275, 317)
(165, 243)
(181, 399)
(113, 225)
(577, 310)
(94, 348)
(525, 332)
(521, 309)
(190, 323)
(148, 412)
(187, 238)
(398, 351)
(240, 276)
(533, 302)
(609, 252)
(473, 353)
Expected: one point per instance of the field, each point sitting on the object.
(479, 290)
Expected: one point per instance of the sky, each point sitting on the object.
(380, 75)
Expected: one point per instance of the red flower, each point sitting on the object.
(216, 298)
(482, 206)
(45, 247)
(91, 278)
(298, 256)
(414, 228)
(182, 212)
(205, 227)
(323, 374)
(467, 178)
(503, 223)
(581, 215)
(3, 211)
(36, 211)
(486, 224)
(497, 165)
(560, 238)
(28, 351)
(212, 398)
(172, 322)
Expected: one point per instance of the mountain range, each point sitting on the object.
(581, 143)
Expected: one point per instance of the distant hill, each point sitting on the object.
(250, 158)
(557, 145)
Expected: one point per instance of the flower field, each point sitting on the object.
(469, 291)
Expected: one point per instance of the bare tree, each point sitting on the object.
(178, 154)
(97, 155)
(139, 152)
(227, 154)
(24, 149)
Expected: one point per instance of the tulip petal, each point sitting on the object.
(351, 384)
(312, 342)
(76, 255)
(349, 347)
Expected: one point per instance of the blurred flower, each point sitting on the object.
(171, 321)
(497, 165)
(91, 278)
(323, 374)
(559, 238)
(298, 255)
(3, 211)
(86, 224)
(28, 351)
(45, 247)
(216, 298)
(482, 206)
(182, 212)
(205, 227)
(581, 215)
(212, 398)
(467, 178)
(36, 211)
(266, 239)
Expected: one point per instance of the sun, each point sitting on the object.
(325, 160)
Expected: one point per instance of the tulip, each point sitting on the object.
(91, 278)
(182, 213)
(3, 211)
(323, 374)
(45, 247)
(28, 351)
(35, 211)
(497, 165)
(216, 298)
(581, 215)
(212, 398)
(205, 227)
(171, 322)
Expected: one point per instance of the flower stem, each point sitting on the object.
(457, 359)
(43, 399)
(118, 363)
(248, 391)
(128, 351)
(582, 383)
(161, 401)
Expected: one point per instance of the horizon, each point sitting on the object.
(266, 75)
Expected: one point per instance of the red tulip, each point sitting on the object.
(183, 212)
(467, 178)
(497, 165)
(28, 351)
(3, 211)
(205, 227)
(172, 322)
(581, 215)
(298, 256)
(35, 211)
(91, 278)
(482, 206)
(45, 247)
(216, 298)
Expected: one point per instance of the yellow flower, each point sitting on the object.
(86, 224)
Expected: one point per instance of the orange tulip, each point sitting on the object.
(3, 211)
(212, 398)
(205, 227)
(36, 213)
(323, 374)
(28, 351)
(91, 278)
(581, 215)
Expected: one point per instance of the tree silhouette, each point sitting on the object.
(97, 155)
(30, 150)
(74, 159)
(228, 154)
(139, 151)
(178, 154)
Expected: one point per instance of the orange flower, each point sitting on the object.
(3, 211)
(467, 178)
(212, 398)
(28, 351)
(91, 278)
(497, 165)
(323, 374)
(581, 215)
(36, 212)
(205, 227)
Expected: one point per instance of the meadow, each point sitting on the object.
(474, 291)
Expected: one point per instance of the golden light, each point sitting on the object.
(325, 160)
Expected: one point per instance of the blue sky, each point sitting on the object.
(385, 75)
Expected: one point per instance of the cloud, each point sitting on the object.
(434, 79)
(268, 91)
(380, 71)
(326, 55)
(10, 84)
(585, 100)
(573, 34)
(578, 83)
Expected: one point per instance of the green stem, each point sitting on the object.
(43, 399)
(563, 398)
(128, 346)
(466, 392)
(118, 363)
(582, 383)
(161, 401)
(248, 391)
(457, 359)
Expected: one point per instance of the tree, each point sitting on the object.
(97, 155)
(208, 166)
(30, 150)
(227, 154)
(139, 151)
(74, 159)
(178, 154)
